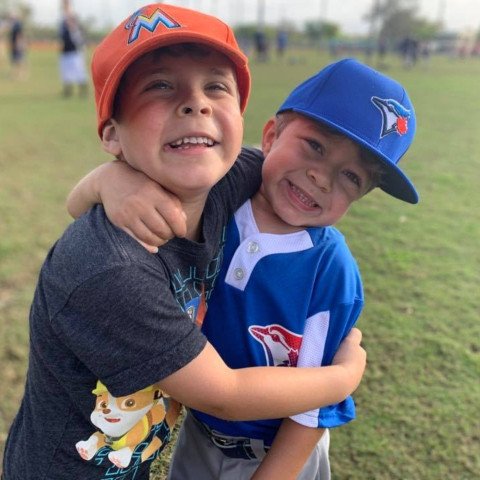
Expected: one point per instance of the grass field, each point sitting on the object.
(418, 405)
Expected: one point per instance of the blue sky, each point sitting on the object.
(457, 14)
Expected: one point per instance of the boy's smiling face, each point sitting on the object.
(310, 176)
(179, 121)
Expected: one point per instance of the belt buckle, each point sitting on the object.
(222, 442)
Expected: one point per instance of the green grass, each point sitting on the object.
(418, 405)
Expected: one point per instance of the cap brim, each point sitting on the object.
(397, 184)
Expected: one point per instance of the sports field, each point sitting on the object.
(419, 403)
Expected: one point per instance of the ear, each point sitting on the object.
(110, 138)
(269, 135)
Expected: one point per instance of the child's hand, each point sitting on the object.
(140, 206)
(352, 357)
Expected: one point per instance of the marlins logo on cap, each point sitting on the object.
(140, 19)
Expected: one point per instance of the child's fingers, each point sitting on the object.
(159, 210)
(152, 228)
(151, 246)
(169, 208)
(176, 220)
(355, 335)
(350, 350)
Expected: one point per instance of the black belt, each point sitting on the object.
(235, 447)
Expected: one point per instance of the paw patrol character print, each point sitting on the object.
(123, 423)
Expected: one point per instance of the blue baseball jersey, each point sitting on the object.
(284, 300)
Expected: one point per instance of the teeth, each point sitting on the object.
(193, 140)
(302, 197)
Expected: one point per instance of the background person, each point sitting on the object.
(17, 46)
(72, 57)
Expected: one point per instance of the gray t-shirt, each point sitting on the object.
(108, 319)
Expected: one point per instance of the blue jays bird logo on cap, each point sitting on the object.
(139, 20)
(394, 116)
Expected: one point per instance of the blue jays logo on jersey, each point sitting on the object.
(281, 346)
(140, 20)
(394, 116)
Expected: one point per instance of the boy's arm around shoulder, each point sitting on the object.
(85, 193)
(132, 202)
(144, 209)
(290, 450)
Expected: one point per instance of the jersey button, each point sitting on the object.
(253, 247)
(239, 273)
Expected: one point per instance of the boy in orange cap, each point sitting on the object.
(112, 328)
(289, 289)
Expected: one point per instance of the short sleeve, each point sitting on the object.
(336, 304)
(322, 336)
(126, 327)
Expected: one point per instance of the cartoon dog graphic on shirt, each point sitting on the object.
(125, 422)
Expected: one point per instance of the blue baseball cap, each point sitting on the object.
(366, 106)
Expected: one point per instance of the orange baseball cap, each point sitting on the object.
(155, 26)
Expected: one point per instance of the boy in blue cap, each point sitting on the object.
(290, 288)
